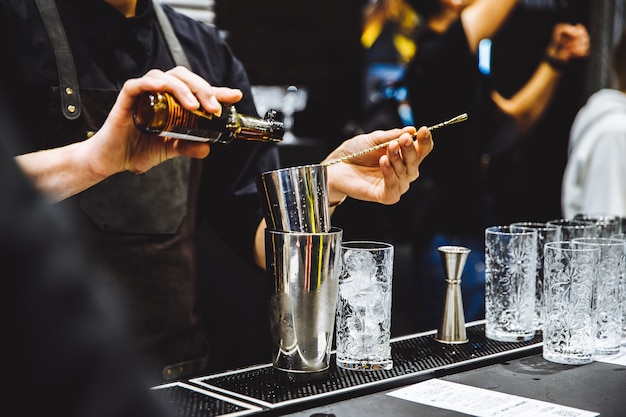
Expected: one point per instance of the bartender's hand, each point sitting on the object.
(125, 149)
(380, 176)
(118, 146)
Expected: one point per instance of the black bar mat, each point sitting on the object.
(412, 356)
(185, 400)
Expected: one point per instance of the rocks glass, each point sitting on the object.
(364, 307)
(510, 268)
(569, 321)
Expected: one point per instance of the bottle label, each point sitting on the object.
(199, 135)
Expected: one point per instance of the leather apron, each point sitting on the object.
(140, 228)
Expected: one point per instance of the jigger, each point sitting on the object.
(452, 328)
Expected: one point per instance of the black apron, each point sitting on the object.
(140, 227)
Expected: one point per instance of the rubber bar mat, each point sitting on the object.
(412, 356)
(185, 400)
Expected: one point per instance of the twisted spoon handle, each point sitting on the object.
(457, 119)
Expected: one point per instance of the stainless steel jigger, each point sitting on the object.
(452, 328)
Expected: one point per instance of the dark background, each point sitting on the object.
(302, 42)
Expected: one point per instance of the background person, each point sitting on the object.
(594, 181)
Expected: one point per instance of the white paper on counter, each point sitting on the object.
(617, 359)
(481, 402)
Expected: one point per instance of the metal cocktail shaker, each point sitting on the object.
(295, 199)
(304, 269)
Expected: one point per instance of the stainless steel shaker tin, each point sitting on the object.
(295, 199)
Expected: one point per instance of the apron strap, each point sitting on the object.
(176, 50)
(68, 82)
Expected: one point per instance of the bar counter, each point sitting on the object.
(512, 368)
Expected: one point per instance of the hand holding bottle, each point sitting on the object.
(191, 92)
(118, 146)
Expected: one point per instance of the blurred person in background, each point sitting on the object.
(69, 60)
(594, 181)
(467, 183)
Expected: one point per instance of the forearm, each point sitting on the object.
(259, 245)
(483, 18)
(60, 173)
(568, 42)
(528, 105)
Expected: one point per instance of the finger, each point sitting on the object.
(191, 90)
(209, 96)
(410, 155)
(411, 130)
(175, 84)
(391, 193)
(133, 87)
(425, 143)
(382, 136)
(157, 80)
(395, 159)
(403, 157)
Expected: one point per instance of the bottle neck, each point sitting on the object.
(246, 127)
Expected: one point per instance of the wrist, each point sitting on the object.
(94, 154)
(555, 63)
(338, 203)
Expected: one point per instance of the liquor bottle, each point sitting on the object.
(160, 113)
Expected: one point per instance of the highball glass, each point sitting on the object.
(510, 268)
(545, 233)
(607, 302)
(570, 228)
(364, 306)
(569, 323)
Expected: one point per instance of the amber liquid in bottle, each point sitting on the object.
(160, 113)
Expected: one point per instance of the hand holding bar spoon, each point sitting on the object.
(457, 119)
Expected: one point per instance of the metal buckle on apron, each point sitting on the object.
(68, 83)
